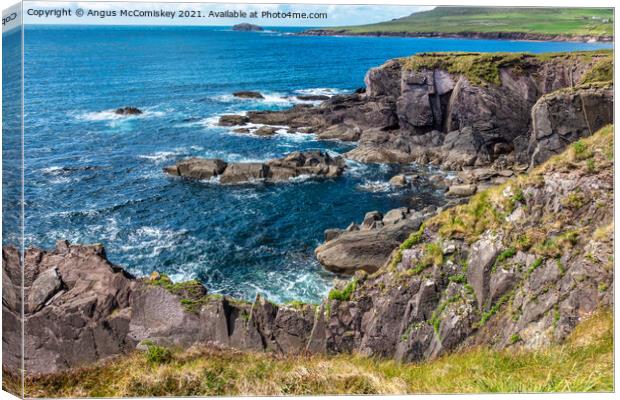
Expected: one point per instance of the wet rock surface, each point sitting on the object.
(248, 95)
(297, 164)
(128, 111)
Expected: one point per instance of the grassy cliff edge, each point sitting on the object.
(584, 363)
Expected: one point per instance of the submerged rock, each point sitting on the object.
(128, 111)
(233, 120)
(265, 131)
(313, 97)
(248, 95)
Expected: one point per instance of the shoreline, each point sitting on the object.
(519, 36)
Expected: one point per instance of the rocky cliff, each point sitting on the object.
(463, 110)
(519, 265)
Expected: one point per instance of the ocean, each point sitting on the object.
(94, 177)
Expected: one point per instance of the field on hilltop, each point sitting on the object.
(548, 21)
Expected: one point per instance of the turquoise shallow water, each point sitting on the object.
(94, 177)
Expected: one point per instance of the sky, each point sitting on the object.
(337, 15)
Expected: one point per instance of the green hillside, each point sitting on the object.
(547, 21)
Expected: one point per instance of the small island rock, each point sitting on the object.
(245, 27)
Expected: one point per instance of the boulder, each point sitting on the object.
(461, 190)
(398, 181)
(244, 172)
(367, 250)
(371, 218)
(394, 216)
(198, 168)
(265, 131)
(46, 285)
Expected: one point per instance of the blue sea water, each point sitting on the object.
(92, 176)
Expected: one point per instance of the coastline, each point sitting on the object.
(521, 36)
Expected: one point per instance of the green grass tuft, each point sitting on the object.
(344, 294)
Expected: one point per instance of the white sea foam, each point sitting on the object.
(159, 156)
(356, 168)
(320, 92)
(269, 98)
(111, 115)
(53, 170)
(375, 186)
(300, 178)
(152, 238)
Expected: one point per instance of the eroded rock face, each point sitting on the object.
(308, 163)
(563, 117)
(369, 247)
(76, 307)
(433, 116)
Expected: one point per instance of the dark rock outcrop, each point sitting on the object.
(248, 95)
(128, 111)
(369, 247)
(233, 120)
(297, 164)
(313, 97)
(564, 116)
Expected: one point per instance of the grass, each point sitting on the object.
(584, 363)
(484, 68)
(602, 71)
(345, 293)
(495, 308)
(545, 21)
(191, 293)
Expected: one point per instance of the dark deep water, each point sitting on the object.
(94, 177)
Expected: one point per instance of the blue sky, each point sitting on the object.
(338, 15)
